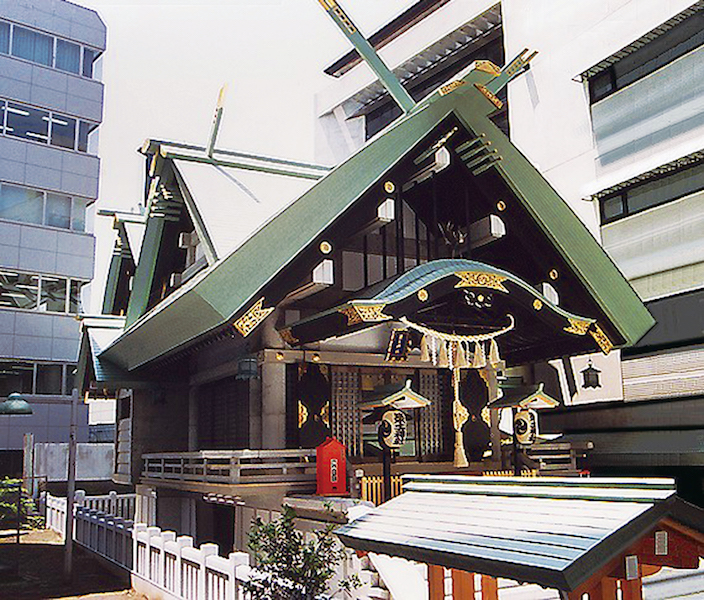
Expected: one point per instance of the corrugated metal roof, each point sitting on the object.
(550, 531)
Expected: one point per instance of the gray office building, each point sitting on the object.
(51, 103)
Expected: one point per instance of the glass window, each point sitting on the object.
(78, 215)
(18, 290)
(2, 116)
(74, 306)
(63, 131)
(4, 37)
(16, 377)
(89, 57)
(68, 56)
(663, 190)
(53, 296)
(612, 208)
(26, 122)
(21, 204)
(49, 379)
(602, 85)
(84, 130)
(32, 46)
(58, 211)
(70, 378)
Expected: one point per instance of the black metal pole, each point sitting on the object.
(19, 526)
(516, 451)
(386, 467)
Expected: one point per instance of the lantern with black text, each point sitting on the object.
(331, 468)
(525, 424)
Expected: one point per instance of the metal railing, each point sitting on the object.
(232, 466)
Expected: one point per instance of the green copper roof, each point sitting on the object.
(229, 286)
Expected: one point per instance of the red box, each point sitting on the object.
(331, 468)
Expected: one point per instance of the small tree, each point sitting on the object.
(288, 567)
(8, 506)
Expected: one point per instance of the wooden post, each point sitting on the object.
(604, 590)
(462, 584)
(436, 583)
(490, 588)
(632, 589)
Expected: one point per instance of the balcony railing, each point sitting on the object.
(232, 466)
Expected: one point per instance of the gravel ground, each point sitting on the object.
(41, 556)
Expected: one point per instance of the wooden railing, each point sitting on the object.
(372, 487)
(232, 466)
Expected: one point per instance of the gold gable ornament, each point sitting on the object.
(288, 337)
(255, 315)
(492, 281)
(577, 326)
(361, 313)
(602, 339)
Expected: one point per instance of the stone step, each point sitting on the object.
(377, 593)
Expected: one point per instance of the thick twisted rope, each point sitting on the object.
(450, 337)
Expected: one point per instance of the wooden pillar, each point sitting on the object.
(604, 590)
(490, 588)
(462, 585)
(436, 583)
(632, 589)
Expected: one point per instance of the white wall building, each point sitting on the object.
(51, 103)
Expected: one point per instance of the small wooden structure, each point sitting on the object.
(579, 536)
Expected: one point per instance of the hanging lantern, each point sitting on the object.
(590, 376)
(15, 405)
(247, 368)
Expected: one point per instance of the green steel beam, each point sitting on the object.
(152, 146)
(215, 128)
(112, 281)
(367, 52)
(242, 165)
(144, 274)
(121, 253)
(517, 66)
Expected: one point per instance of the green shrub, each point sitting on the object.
(288, 567)
(8, 506)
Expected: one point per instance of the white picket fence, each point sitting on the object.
(110, 537)
(162, 565)
(170, 567)
(118, 505)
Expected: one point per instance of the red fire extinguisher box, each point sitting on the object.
(331, 468)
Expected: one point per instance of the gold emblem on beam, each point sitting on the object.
(288, 337)
(451, 87)
(486, 66)
(601, 339)
(255, 315)
(577, 326)
(489, 96)
(480, 279)
(373, 313)
(352, 315)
